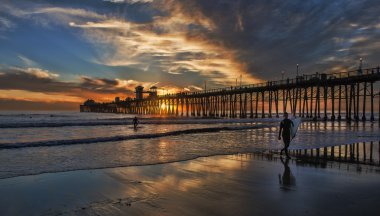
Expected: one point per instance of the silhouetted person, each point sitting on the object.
(285, 127)
(135, 122)
(287, 180)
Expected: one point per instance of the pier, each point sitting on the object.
(334, 96)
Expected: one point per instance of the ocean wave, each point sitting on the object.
(112, 122)
(59, 124)
(49, 143)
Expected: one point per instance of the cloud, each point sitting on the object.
(35, 84)
(38, 96)
(61, 12)
(26, 61)
(46, 16)
(167, 45)
(129, 1)
(103, 85)
(108, 24)
(158, 45)
(182, 43)
(40, 73)
(6, 24)
(11, 104)
(273, 36)
(31, 79)
(194, 88)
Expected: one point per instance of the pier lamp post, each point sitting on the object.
(360, 65)
(297, 69)
(282, 75)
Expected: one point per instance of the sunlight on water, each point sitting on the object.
(146, 150)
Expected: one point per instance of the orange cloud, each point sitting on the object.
(38, 96)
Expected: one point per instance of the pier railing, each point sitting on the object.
(355, 74)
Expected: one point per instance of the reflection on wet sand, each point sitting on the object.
(361, 152)
(242, 184)
(287, 180)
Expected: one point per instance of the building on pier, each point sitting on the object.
(139, 92)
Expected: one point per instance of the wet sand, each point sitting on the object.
(244, 184)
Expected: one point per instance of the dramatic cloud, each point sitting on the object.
(41, 85)
(105, 48)
(158, 44)
(34, 84)
(272, 36)
(163, 46)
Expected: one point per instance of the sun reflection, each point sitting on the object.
(162, 150)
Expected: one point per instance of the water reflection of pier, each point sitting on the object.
(361, 152)
(348, 95)
(310, 162)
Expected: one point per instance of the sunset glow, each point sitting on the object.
(65, 51)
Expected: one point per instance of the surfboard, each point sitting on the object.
(294, 128)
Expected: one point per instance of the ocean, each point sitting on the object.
(44, 142)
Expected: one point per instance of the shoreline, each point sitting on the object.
(273, 153)
(242, 184)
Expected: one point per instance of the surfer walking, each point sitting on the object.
(135, 122)
(285, 126)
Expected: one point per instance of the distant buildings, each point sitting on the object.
(139, 91)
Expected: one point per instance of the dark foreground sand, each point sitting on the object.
(245, 184)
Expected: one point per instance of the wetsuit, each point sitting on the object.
(285, 126)
(135, 122)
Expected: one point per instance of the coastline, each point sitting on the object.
(240, 184)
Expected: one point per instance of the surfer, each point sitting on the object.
(285, 127)
(135, 122)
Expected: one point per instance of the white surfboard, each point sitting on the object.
(294, 128)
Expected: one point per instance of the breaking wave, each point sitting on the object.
(127, 121)
(127, 137)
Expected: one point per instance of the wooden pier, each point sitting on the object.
(334, 96)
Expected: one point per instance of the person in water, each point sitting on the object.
(135, 122)
(285, 127)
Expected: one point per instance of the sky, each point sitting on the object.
(55, 54)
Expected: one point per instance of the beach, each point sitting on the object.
(179, 107)
(241, 184)
(70, 163)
